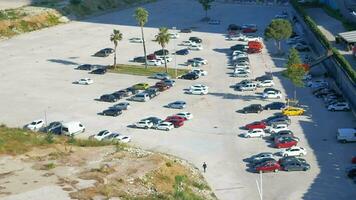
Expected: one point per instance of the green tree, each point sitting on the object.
(163, 39)
(141, 15)
(278, 29)
(206, 6)
(115, 37)
(295, 71)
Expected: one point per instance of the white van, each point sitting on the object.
(248, 87)
(141, 97)
(346, 135)
(72, 128)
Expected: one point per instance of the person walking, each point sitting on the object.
(204, 167)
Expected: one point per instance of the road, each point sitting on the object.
(37, 71)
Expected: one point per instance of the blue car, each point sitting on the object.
(275, 106)
(182, 52)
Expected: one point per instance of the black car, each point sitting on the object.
(99, 71)
(118, 95)
(161, 52)
(186, 30)
(190, 76)
(112, 112)
(196, 39)
(239, 47)
(139, 59)
(258, 162)
(132, 90)
(234, 27)
(54, 128)
(281, 133)
(296, 166)
(155, 120)
(125, 92)
(104, 52)
(108, 98)
(152, 92)
(253, 108)
(351, 173)
(87, 67)
(182, 52)
(277, 118)
(284, 160)
(264, 78)
(275, 106)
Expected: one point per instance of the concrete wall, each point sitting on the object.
(341, 78)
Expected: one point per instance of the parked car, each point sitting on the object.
(35, 125)
(272, 94)
(177, 105)
(294, 151)
(275, 128)
(54, 128)
(199, 86)
(101, 135)
(285, 142)
(351, 172)
(104, 52)
(190, 76)
(293, 111)
(198, 91)
(169, 82)
(239, 47)
(87, 67)
(296, 166)
(177, 121)
(195, 47)
(122, 106)
(282, 133)
(256, 158)
(196, 40)
(253, 108)
(268, 166)
(264, 77)
(246, 85)
(275, 106)
(339, 106)
(117, 137)
(166, 126)
(139, 59)
(265, 83)
(346, 135)
(242, 74)
(154, 120)
(141, 86)
(136, 40)
(161, 52)
(188, 43)
(185, 115)
(84, 81)
(200, 72)
(256, 125)
(233, 27)
(284, 160)
(161, 76)
(72, 128)
(317, 83)
(145, 124)
(182, 52)
(253, 133)
(108, 98)
(99, 71)
(173, 35)
(143, 97)
(276, 119)
(114, 112)
(154, 62)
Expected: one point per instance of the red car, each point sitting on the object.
(353, 160)
(151, 57)
(269, 166)
(253, 50)
(162, 86)
(249, 30)
(254, 125)
(177, 121)
(285, 142)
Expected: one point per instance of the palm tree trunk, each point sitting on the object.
(165, 61)
(144, 47)
(115, 57)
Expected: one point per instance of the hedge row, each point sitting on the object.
(324, 41)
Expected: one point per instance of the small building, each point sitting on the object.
(348, 38)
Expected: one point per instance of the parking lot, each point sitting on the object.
(37, 71)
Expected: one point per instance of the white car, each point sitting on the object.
(237, 70)
(161, 76)
(237, 52)
(243, 74)
(253, 133)
(198, 91)
(173, 35)
(195, 47)
(102, 134)
(251, 38)
(238, 37)
(122, 106)
(272, 94)
(239, 57)
(146, 124)
(339, 106)
(275, 128)
(165, 126)
(84, 81)
(265, 83)
(260, 156)
(200, 72)
(35, 125)
(136, 40)
(242, 65)
(294, 151)
(154, 62)
(186, 115)
(317, 83)
(188, 43)
(199, 86)
(161, 59)
(118, 137)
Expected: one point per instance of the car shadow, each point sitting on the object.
(64, 62)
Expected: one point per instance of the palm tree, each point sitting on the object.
(163, 39)
(115, 37)
(141, 16)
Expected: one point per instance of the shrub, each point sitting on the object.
(344, 64)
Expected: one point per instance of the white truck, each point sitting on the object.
(346, 135)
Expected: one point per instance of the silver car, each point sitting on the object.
(177, 105)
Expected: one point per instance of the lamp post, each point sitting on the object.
(175, 55)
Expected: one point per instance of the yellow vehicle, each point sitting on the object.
(141, 86)
(293, 111)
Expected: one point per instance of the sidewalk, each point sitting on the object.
(330, 27)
